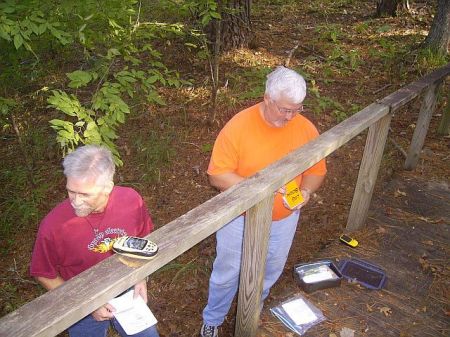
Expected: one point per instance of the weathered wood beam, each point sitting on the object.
(404, 95)
(423, 122)
(256, 238)
(368, 172)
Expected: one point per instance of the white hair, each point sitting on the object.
(286, 83)
(90, 161)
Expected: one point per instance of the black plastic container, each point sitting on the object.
(363, 272)
(303, 269)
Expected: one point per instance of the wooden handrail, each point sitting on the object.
(58, 309)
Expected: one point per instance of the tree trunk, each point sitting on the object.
(391, 7)
(236, 24)
(439, 36)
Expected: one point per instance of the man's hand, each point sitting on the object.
(104, 313)
(306, 194)
(50, 283)
(141, 289)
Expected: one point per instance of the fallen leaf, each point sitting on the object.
(428, 242)
(369, 307)
(385, 310)
(380, 230)
(332, 335)
(398, 193)
(424, 219)
(346, 332)
(424, 263)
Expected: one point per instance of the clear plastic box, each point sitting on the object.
(317, 275)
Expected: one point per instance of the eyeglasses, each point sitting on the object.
(285, 111)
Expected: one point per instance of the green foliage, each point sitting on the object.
(388, 50)
(430, 59)
(114, 43)
(20, 206)
(154, 152)
(330, 32)
(252, 82)
(6, 107)
(23, 30)
(344, 59)
(321, 104)
(207, 148)
(362, 27)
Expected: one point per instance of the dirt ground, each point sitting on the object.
(178, 291)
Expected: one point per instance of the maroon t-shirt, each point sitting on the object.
(67, 244)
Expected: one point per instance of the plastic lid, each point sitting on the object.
(363, 272)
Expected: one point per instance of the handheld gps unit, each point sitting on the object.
(348, 240)
(135, 247)
(293, 197)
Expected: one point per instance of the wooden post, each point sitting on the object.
(368, 171)
(256, 237)
(444, 125)
(423, 122)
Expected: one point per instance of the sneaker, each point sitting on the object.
(209, 331)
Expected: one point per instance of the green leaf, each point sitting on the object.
(112, 52)
(57, 122)
(153, 97)
(106, 131)
(18, 40)
(34, 28)
(215, 15)
(4, 32)
(82, 28)
(206, 19)
(79, 78)
(384, 28)
(188, 44)
(65, 103)
(152, 79)
(91, 133)
(42, 28)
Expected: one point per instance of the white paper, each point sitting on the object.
(133, 314)
(322, 276)
(299, 312)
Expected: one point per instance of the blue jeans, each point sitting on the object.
(224, 280)
(89, 327)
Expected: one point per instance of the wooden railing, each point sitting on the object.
(58, 309)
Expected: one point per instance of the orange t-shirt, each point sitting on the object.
(247, 144)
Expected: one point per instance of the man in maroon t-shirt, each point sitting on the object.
(78, 233)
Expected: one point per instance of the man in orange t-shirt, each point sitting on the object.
(253, 139)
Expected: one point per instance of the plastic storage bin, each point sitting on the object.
(317, 275)
(363, 272)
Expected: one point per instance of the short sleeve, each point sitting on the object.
(225, 156)
(147, 222)
(43, 260)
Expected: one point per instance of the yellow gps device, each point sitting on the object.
(348, 240)
(293, 197)
(135, 247)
